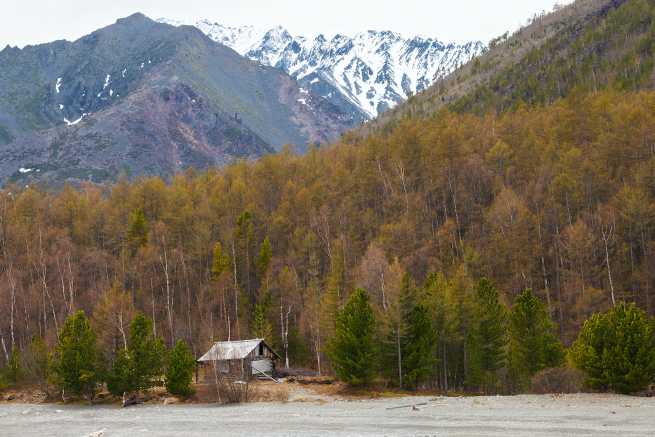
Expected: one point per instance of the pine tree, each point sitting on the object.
(420, 341)
(411, 341)
(264, 258)
(120, 377)
(394, 344)
(261, 327)
(617, 350)
(137, 231)
(76, 364)
(352, 349)
(179, 372)
(533, 344)
(244, 234)
(333, 294)
(140, 366)
(146, 352)
(487, 339)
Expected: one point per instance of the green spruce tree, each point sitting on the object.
(486, 340)
(261, 327)
(179, 372)
(352, 350)
(420, 341)
(394, 344)
(533, 344)
(137, 230)
(140, 366)
(617, 350)
(76, 365)
(120, 377)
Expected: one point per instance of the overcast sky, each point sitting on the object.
(36, 21)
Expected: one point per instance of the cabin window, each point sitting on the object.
(261, 349)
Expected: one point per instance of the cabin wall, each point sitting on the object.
(240, 368)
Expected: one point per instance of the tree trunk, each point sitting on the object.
(400, 358)
(169, 298)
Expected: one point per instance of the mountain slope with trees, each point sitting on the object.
(145, 98)
(587, 46)
(552, 202)
(558, 199)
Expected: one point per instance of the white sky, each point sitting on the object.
(35, 21)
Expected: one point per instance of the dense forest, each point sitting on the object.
(557, 199)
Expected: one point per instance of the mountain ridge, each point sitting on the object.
(371, 71)
(207, 105)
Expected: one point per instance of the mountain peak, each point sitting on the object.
(135, 18)
(372, 70)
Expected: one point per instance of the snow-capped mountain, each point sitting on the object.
(370, 71)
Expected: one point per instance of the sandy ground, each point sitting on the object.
(569, 415)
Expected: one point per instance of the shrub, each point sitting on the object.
(36, 362)
(616, 350)
(557, 380)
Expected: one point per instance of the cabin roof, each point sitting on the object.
(233, 350)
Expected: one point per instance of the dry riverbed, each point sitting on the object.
(530, 415)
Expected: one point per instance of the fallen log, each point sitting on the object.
(130, 400)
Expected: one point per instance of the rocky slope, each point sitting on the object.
(145, 98)
(365, 74)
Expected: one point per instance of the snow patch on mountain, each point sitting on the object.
(373, 70)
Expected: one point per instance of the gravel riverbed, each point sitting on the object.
(530, 415)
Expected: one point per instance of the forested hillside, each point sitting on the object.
(587, 46)
(559, 199)
(520, 209)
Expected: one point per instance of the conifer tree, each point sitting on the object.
(179, 372)
(261, 327)
(410, 344)
(487, 339)
(120, 376)
(137, 231)
(420, 341)
(334, 292)
(395, 342)
(438, 297)
(533, 344)
(352, 349)
(76, 366)
(617, 350)
(146, 352)
(141, 365)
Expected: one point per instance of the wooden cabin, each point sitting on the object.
(243, 359)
